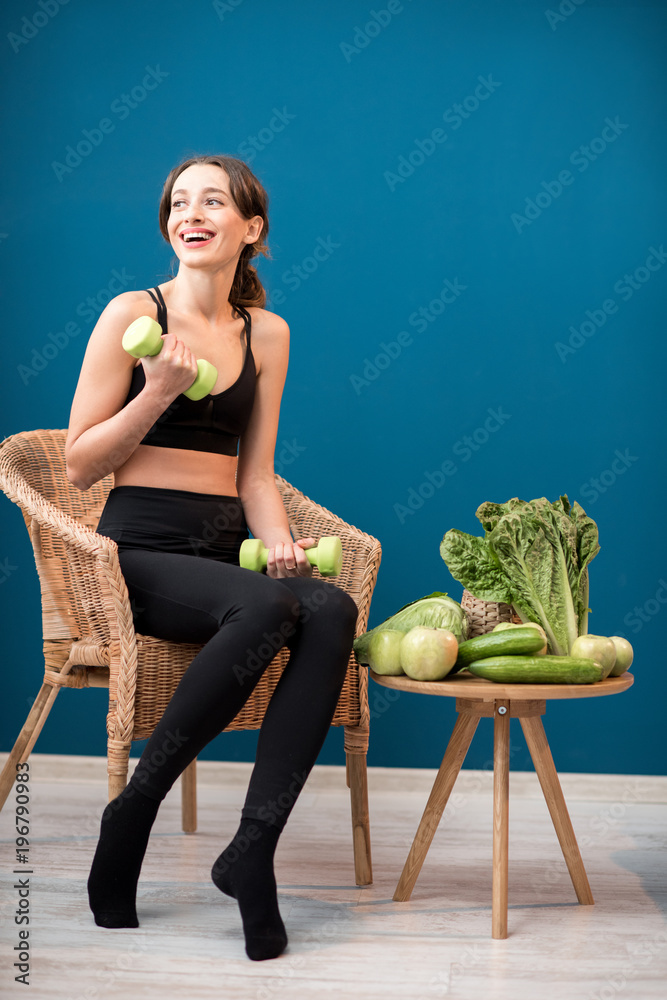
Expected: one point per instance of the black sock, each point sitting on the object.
(244, 871)
(112, 884)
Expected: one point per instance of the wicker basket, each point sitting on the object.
(483, 616)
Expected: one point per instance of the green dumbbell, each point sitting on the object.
(327, 555)
(143, 338)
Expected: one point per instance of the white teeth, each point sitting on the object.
(188, 237)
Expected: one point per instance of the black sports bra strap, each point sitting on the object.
(161, 309)
(162, 313)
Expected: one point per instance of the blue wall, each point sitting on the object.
(502, 256)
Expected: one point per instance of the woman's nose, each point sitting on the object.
(194, 214)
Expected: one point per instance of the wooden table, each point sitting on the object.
(475, 699)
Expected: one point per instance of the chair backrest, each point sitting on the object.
(33, 475)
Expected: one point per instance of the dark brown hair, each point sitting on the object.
(251, 199)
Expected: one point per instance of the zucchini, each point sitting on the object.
(538, 669)
(505, 643)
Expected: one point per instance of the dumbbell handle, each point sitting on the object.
(143, 338)
(327, 555)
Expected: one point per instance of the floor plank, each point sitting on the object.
(347, 940)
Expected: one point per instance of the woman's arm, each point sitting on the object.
(255, 480)
(102, 433)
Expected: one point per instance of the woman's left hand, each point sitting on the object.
(289, 559)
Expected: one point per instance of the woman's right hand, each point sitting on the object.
(173, 370)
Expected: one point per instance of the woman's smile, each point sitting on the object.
(196, 237)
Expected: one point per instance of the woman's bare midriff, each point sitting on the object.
(179, 469)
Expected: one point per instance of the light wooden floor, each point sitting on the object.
(346, 940)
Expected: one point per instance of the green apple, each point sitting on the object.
(598, 648)
(428, 654)
(383, 652)
(624, 655)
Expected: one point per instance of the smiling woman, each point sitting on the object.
(178, 462)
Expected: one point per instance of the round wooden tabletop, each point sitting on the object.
(464, 685)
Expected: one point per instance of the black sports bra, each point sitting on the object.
(212, 424)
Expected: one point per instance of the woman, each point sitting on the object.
(182, 503)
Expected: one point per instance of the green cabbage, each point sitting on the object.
(434, 611)
(535, 556)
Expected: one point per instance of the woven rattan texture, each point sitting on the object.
(86, 614)
(483, 616)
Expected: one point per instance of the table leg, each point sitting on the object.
(501, 787)
(538, 746)
(457, 748)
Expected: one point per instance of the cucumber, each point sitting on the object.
(505, 643)
(537, 669)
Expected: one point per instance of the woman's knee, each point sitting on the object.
(276, 607)
(323, 601)
(344, 607)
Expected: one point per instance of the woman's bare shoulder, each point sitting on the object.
(267, 324)
(270, 338)
(130, 304)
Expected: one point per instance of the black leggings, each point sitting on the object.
(178, 552)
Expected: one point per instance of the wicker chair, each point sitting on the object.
(90, 641)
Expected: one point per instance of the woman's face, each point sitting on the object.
(205, 227)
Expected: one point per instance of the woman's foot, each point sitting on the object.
(112, 883)
(244, 871)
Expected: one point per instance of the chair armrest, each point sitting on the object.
(361, 552)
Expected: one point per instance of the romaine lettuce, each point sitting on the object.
(534, 555)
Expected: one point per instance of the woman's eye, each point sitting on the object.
(175, 204)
